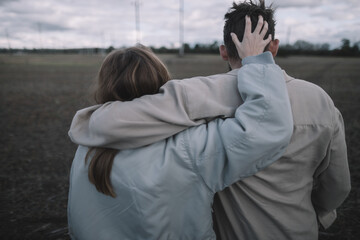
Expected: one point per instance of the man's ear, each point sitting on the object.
(274, 47)
(223, 53)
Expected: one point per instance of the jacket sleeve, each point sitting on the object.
(131, 124)
(332, 180)
(179, 105)
(225, 151)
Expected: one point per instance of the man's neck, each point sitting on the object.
(234, 64)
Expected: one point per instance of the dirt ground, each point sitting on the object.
(39, 94)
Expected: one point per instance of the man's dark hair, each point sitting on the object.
(235, 22)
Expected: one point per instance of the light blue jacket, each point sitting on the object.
(165, 190)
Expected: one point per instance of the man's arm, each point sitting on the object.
(179, 105)
(332, 180)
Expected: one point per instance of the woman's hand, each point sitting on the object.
(252, 43)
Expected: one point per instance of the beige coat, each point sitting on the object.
(307, 184)
(286, 200)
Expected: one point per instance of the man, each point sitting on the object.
(288, 199)
(310, 180)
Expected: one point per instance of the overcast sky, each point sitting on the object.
(104, 23)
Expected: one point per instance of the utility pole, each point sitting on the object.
(181, 28)
(7, 37)
(137, 20)
(40, 38)
(288, 36)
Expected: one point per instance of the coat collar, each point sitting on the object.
(287, 77)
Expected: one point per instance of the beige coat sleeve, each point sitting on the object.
(179, 105)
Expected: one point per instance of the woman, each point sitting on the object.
(165, 190)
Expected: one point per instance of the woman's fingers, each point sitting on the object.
(247, 25)
(267, 40)
(259, 25)
(235, 40)
(264, 29)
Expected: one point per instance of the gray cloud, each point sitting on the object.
(337, 11)
(48, 27)
(78, 23)
(309, 3)
(293, 3)
(3, 2)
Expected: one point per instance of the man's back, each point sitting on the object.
(282, 201)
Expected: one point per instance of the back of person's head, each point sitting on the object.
(130, 73)
(124, 75)
(235, 22)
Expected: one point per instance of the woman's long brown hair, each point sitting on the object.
(124, 75)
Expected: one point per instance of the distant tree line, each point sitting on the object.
(212, 48)
(300, 47)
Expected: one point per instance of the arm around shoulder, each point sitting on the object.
(136, 123)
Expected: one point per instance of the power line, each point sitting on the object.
(181, 27)
(137, 20)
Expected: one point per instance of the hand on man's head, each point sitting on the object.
(253, 43)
